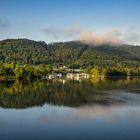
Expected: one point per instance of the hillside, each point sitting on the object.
(24, 51)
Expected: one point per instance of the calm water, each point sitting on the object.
(70, 110)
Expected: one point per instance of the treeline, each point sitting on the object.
(115, 71)
(16, 71)
(8, 71)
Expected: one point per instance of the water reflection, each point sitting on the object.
(62, 109)
(23, 94)
(85, 122)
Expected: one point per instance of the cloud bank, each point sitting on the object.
(112, 36)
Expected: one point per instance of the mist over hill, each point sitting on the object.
(25, 51)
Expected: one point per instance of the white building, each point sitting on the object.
(77, 75)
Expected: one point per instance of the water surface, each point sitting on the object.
(62, 109)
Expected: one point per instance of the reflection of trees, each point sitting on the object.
(115, 83)
(22, 94)
(37, 93)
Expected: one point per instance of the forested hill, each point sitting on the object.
(24, 51)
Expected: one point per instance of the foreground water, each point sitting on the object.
(62, 109)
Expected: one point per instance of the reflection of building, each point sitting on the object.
(77, 75)
(63, 81)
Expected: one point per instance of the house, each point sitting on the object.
(55, 75)
(77, 75)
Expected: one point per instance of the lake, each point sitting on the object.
(71, 110)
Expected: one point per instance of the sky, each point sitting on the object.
(64, 20)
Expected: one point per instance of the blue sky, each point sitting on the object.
(62, 20)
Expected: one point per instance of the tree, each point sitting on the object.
(18, 71)
(95, 71)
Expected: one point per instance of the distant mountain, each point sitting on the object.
(24, 51)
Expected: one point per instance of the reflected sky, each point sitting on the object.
(53, 122)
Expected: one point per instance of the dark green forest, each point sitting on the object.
(74, 53)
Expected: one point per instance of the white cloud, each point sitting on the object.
(112, 36)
